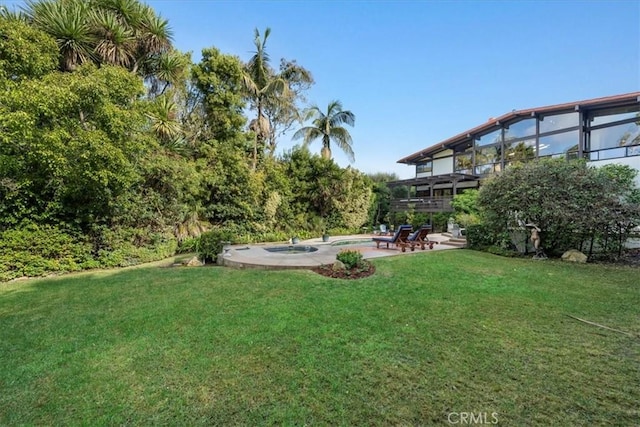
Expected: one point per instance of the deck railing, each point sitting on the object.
(422, 204)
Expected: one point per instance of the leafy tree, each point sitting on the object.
(67, 145)
(232, 192)
(381, 196)
(321, 189)
(328, 127)
(25, 52)
(571, 202)
(217, 97)
(466, 209)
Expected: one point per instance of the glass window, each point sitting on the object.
(608, 154)
(526, 127)
(486, 155)
(520, 151)
(614, 115)
(424, 167)
(487, 169)
(490, 138)
(558, 144)
(557, 122)
(615, 136)
(464, 163)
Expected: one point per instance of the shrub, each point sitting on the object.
(350, 259)
(37, 250)
(479, 236)
(212, 242)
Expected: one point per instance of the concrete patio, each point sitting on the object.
(255, 255)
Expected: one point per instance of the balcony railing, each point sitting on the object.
(422, 204)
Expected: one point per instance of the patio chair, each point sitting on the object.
(419, 238)
(400, 238)
(383, 230)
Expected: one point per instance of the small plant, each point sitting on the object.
(350, 259)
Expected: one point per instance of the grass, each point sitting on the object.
(429, 334)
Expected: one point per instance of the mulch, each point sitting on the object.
(366, 270)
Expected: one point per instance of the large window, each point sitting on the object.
(425, 167)
(521, 129)
(614, 115)
(559, 145)
(490, 138)
(615, 136)
(464, 163)
(558, 122)
(488, 159)
(615, 141)
(519, 151)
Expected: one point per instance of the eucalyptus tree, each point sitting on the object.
(284, 112)
(328, 127)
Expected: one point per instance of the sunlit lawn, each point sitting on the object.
(428, 335)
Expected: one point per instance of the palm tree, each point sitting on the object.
(115, 41)
(117, 32)
(262, 84)
(68, 23)
(328, 127)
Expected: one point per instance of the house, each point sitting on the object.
(602, 130)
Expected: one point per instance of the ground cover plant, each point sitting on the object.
(429, 335)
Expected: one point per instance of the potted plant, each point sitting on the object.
(322, 225)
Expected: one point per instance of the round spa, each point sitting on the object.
(291, 249)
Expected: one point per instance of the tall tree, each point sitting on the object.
(217, 101)
(262, 84)
(285, 111)
(328, 127)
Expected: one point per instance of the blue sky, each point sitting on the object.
(417, 72)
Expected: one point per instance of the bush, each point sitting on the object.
(211, 244)
(37, 250)
(479, 236)
(350, 259)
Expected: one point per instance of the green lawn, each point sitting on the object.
(428, 335)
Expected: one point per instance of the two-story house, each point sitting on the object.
(602, 130)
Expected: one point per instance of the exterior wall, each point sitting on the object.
(444, 153)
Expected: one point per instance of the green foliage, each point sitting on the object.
(440, 220)
(570, 202)
(480, 237)
(321, 188)
(465, 203)
(25, 52)
(38, 250)
(218, 79)
(212, 242)
(465, 220)
(350, 258)
(327, 127)
(67, 149)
